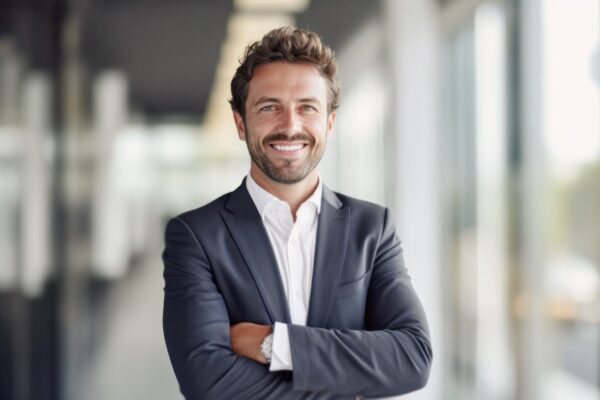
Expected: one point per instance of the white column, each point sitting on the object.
(413, 45)
(110, 216)
(35, 241)
(532, 344)
(494, 356)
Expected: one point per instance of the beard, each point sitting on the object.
(285, 171)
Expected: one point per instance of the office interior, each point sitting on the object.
(477, 122)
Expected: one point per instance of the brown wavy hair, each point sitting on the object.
(290, 44)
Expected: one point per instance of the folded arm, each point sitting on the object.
(196, 327)
(391, 357)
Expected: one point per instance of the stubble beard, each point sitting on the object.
(287, 173)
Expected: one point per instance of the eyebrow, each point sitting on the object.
(261, 100)
(309, 100)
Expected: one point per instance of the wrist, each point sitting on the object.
(266, 346)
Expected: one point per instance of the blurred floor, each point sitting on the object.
(132, 361)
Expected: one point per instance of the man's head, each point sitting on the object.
(284, 97)
(289, 44)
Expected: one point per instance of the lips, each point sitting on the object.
(285, 144)
(288, 147)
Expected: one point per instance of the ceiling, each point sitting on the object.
(169, 49)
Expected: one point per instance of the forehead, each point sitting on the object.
(284, 79)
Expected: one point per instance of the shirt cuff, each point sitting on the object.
(281, 358)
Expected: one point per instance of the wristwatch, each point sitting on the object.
(266, 347)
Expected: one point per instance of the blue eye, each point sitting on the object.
(269, 107)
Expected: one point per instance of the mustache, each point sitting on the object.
(282, 137)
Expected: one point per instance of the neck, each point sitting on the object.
(294, 194)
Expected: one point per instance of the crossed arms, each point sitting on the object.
(391, 357)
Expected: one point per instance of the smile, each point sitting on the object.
(288, 148)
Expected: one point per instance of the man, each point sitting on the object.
(283, 289)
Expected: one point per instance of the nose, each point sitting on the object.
(290, 123)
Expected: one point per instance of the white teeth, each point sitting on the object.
(288, 148)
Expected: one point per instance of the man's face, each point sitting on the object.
(287, 124)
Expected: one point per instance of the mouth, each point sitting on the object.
(288, 149)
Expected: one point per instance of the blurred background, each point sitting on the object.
(476, 121)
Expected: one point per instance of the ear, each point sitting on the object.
(330, 123)
(239, 124)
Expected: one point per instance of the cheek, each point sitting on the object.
(319, 129)
(260, 126)
(254, 137)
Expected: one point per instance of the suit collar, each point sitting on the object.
(246, 227)
(249, 233)
(238, 200)
(331, 198)
(262, 198)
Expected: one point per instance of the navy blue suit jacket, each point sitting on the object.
(366, 331)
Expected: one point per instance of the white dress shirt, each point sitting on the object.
(293, 244)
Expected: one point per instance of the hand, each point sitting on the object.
(246, 339)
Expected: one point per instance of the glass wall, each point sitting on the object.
(477, 206)
(569, 120)
(522, 199)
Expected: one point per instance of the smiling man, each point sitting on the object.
(284, 289)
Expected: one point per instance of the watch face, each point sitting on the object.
(266, 347)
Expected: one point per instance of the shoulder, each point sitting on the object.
(365, 213)
(204, 224)
(207, 210)
(361, 207)
(205, 215)
(370, 224)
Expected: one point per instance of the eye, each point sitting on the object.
(268, 107)
(308, 107)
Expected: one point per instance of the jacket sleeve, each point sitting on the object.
(196, 328)
(392, 357)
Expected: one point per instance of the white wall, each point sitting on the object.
(413, 48)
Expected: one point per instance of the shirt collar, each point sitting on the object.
(262, 198)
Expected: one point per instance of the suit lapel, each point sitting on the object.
(247, 229)
(330, 251)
